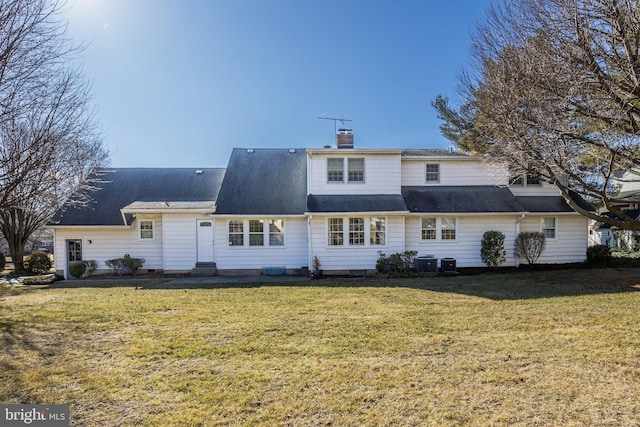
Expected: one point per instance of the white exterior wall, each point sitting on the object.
(347, 257)
(381, 174)
(544, 189)
(466, 247)
(180, 248)
(292, 255)
(453, 172)
(111, 242)
(570, 244)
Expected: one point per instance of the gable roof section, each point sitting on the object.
(460, 199)
(140, 187)
(356, 203)
(264, 182)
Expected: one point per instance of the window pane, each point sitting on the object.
(256, 232)
(335, 232)
(533, 180)
(433, 172)
(356, 170)
(549, 228)
(146, 229)
(428, 228)
(516, 180)
(448, 228)
(377, 228)
(276, 232)
(236, 232)
(356, 231)
(335, 170)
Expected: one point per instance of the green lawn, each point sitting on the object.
(537, 348)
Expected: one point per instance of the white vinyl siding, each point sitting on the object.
(354, 257)
(452, 172)
(180, 241)
(381, 174)
(570, 244)
(290, 248)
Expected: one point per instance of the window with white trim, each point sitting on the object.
(335, 170)
(236, 232)
(355, 171)
(354, 231)
(258, 232)
(377, 231)
(341, 171)
(276, 232)
(548, 226)
(438, 229)
(428, 229)
(146, 229)
(433, 173)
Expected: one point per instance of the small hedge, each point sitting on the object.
(39, 263)
(598, 255)
(77, 269)
(396, 265)
(125, 265)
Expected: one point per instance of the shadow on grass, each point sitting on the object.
(496, 286)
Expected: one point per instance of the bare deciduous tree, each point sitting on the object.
(49, 139)
(554, 90)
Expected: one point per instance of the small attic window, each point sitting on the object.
(198, 171)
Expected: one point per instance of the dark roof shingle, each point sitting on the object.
(356, 203)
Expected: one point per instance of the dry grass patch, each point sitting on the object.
(552, 348)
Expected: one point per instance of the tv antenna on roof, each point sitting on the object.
(335, 120)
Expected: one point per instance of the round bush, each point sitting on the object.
(598, 254)
(77, 269)
(39, 262)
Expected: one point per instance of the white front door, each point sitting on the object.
(205, 240)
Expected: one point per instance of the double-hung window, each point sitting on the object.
(433, 229)
(355, 170)
(433, 173)
(335, 170)
(236, 232)
(549, 227)
(258, 232)
(146, 229)
(341, 170)
(356, 231)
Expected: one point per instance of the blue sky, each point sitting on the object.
(179, 83)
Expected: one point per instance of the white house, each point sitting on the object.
(282, 208)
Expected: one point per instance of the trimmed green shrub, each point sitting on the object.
(598, 255)
(77, 269)
(396, 265)
(530, 245)
(38, 263)
(492, 251)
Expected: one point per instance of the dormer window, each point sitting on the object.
(525, 180)
(354, 172)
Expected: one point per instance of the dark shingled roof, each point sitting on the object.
(544, 204)
(121, 187)
(356, 203)
(633, 213)
(264, 182)
(460, 199)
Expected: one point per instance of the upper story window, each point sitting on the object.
(433, 173)
(146, 229)
(352, 169)
(525, 180)
(335, 170)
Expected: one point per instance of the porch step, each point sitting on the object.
(204, 269)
